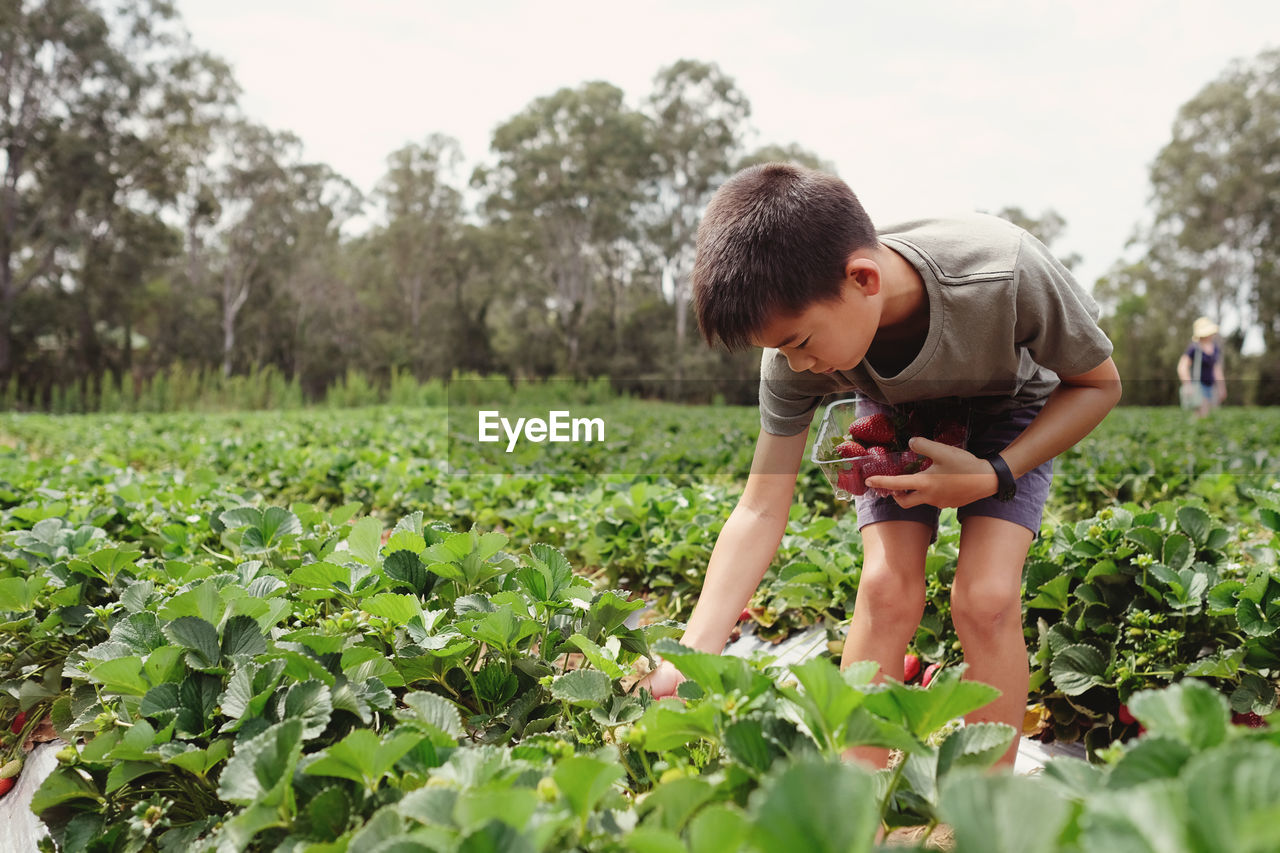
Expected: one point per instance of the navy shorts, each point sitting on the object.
(987, 434)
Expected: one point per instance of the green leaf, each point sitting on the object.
(670, 805)
(322, 575)
(277, 523)
(435, 712)
(718, 829)
(1256, 618)
(1235, 797)
(1053, 594)
(1150, 757)
(584, 781)
(139, 631)
(261, 769)
(1077, 668)
(405, 567)
(199, 638)
(310, 702)
(924, 710)
(828, 807)
(1150, 540)
(1196, 523)
(1189, 711)
(241, 636)
(1004, 814)
(19, 595)
(362, 757)
(597, 656)
(826, 702)
(976, 745)
(1178, 552)
(365, 540)
(1139, 820)
(716, 674)
(122, 676)
(587, 688)
(61, 786)
(396, 608)
(746, 742)
(475, 807)
(241, 516)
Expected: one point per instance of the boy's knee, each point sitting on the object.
(892, 594)
(985, 607)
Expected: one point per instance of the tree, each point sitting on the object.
(698, 122)
(276, 211)
(423, 218)
(1211, 246)
(569, 178)
(88, 102)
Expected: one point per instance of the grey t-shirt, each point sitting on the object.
(1006, 318)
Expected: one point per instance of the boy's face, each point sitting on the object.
(827, 336)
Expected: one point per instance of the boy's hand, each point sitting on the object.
(955, 478)
(663, 681)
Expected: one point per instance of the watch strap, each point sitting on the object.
(1006, 486)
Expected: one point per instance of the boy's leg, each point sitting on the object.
(986, 607)
(889, 604)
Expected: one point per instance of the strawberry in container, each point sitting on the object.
(859, 438)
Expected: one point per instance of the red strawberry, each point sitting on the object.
(18, 722)
(910, 667)
(929, 673)
(850, 449)
(5, 785)
(878, 451)
(950, 432)
(851, 481)
(1124, 716)
(1250, 719)
(881, 467)
(872, 429)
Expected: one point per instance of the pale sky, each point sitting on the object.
(924, 107)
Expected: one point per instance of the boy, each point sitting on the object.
(973, 307)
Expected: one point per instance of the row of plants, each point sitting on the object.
(1109, 589)
(306, 680)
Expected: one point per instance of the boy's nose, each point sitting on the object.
(799, 363)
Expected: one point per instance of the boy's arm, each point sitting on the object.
(748, 541)
(957, 477)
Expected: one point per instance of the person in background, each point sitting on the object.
(1204, 384)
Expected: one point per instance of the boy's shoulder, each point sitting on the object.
(960, 248)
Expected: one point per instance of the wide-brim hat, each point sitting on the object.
(1204, 328)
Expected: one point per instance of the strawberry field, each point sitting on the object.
(351, 630)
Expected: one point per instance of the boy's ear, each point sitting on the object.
(864, 273)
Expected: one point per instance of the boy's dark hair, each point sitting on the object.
(775, 238)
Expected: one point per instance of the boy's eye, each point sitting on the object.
(803, 344)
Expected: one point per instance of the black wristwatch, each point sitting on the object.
(1006, 486)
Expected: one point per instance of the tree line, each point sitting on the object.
(145, 222)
